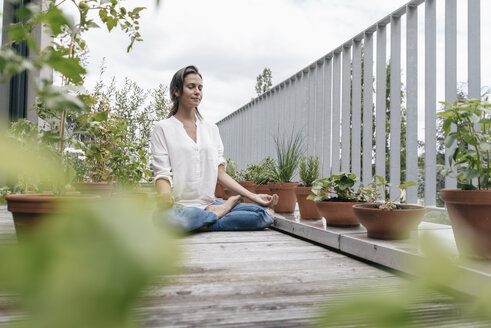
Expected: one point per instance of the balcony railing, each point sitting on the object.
(340, 106)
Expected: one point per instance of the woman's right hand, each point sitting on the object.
(166, 201)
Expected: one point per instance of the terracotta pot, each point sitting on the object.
(28, 209)
(286, 194)
(307, 207)
(219, 191)
(389, 224)
(102, 189)
(470, 215)
(262, 189)
(338, 213)
(249, 185)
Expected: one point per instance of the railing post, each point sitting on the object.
(346, 106)
(395, 105)
(412, 102)
(336, 107)
(356, 109)
(327, 148)
(367, 108)
(380, 105)
(430, 103)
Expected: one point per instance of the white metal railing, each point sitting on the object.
(330, 105)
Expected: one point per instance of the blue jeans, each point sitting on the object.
(243, 217)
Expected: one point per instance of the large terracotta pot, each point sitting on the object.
(249, 185)
(307, 207)
(470, 214)
(286, 193)
(389, 224)
(102, 189)
(219, 191)
(28, 209)
(338, 213)
(262, 189)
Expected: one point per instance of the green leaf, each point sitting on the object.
(55, 19)
(69, 67)
(101, 116)
(17, 32)
(450, 139)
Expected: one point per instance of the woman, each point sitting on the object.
(188, 160)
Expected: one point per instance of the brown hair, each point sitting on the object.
(177, 84)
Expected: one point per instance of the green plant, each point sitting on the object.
(382, 184)
(309, 170)
(467, 125)
(231, 168)
(339, 187)
(248, 173)
(289, 150)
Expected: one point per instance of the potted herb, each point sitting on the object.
(262, 175)
(246, 180)
(309, 172)
(231, 170)
(467, 126)
(389, 220)
(335, 197)
(289, 150)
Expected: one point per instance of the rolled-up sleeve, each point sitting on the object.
(221, 158)
(160, 155)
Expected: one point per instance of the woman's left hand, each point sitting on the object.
(265, 199)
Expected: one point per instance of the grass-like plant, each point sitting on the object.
(289, 150)
(468, 126)
(309, 170)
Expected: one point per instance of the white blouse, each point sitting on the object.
(191, 168)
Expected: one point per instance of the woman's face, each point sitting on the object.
(191, 91)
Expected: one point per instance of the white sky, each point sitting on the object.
(232, 41)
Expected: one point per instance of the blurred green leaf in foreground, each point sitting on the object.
(86, 267)
(409, 303)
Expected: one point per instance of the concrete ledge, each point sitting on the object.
(400, 255)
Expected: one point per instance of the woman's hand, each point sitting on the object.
(166, 201)
(265, 199)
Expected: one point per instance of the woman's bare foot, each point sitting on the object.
(221, 210)
(270, 209)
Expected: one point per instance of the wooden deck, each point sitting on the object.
(265, 279)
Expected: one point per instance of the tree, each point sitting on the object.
(264, 81)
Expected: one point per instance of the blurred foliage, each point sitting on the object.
(85, 268)
(395, 307)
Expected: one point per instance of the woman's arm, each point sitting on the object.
(164, 191)
(228, 182)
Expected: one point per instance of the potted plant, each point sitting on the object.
(289, 150)
(335, 197)
(231, 170)
(467, 126)
(389, 220)
(246, 180)
(309, 172)
(262, 175)
(46, 189)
